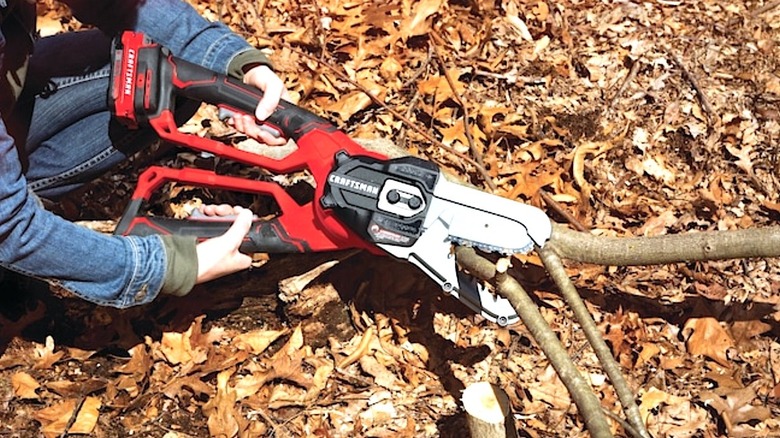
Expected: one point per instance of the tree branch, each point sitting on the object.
(581, 392)
(556, 270)
(670, 248)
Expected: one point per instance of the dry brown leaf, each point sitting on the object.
(706, 337)
(456, 137)
(349, 105)
(653, 398)
(286, 364)
(139, 364)
(541, 11)
(55, 418)
(46, 355)
(417, 23)
(25, 386)
(744, 331)
(737, 406)
(382, 376)
(190, 347)
(648, 351)
(223, 418)
(658, 225)
(257, 341)
(514, 19)
(440, 88)
(581, 153)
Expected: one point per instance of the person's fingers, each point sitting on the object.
(220, 255)
(273, 88)
(248, 125)
(271, 96)
(218, 210)
(270, 139)
(236, 233)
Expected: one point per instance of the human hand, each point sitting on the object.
(274, 90)
(219, 256)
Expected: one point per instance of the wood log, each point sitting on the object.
(488, 411)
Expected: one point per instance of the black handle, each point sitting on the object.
(265, 236)
(198, 83)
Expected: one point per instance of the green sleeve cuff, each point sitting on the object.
(245, 61)
(182, 265)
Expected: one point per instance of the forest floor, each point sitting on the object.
(623, 118)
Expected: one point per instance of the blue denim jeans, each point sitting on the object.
(71, 139)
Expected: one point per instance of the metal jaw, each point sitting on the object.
(432, 253)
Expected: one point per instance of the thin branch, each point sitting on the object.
(477, 154)
(420, 71)
(629, 78)
(552, 203)
(766, 8)
(73, 416)
(703, 99)
(554, 265)
(623, 423)
(581, 392)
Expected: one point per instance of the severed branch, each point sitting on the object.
(552, 261)
(488, 411)
(587, 403)
(703, 99)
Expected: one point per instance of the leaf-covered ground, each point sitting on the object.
(622, 118)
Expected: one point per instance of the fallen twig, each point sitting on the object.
(629, 78)
(703, 99)
(552, 203)
(579, 388)
(477, 154)
(554, 265)
(73, 416)
(766, 8)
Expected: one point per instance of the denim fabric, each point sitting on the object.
(72, 139)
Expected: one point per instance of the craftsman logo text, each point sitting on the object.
(129, 72)
(353, 184)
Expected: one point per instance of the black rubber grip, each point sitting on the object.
(265, 236)
(198, 83)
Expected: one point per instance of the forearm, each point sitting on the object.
(108, 270)
(176, 25)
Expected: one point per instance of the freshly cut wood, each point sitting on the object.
(488, 411)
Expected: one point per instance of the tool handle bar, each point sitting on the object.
(201, 84)
(264, 236)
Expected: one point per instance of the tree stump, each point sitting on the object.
(489, 414)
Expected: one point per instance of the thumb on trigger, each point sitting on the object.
(240, 227)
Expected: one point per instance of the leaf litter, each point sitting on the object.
(637, 118)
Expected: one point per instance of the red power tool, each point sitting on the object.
(404, 207)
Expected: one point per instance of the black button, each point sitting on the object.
(414, 202)
(393, 196)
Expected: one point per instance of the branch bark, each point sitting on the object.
(670, 248)
(488, 412)
(554, 265)
(581, 392)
